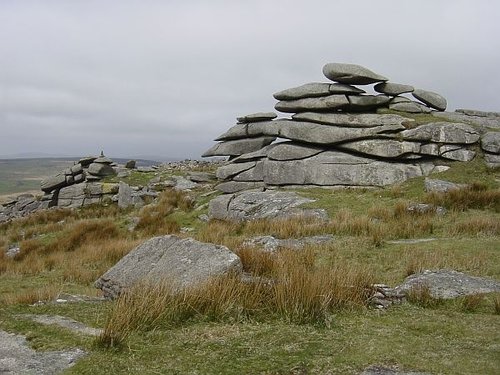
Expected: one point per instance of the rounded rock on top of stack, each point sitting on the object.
(351, 74)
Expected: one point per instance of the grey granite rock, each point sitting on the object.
(101, 169)
(324, 103)
(238, 147)
(255, 173)
(492, 160)
(392, 89)
(459, 154)
(481, 123)
(201, 177)
(351, 74)
(230, 187)
(256, 117)
(180, 262)
(308, 90)
(367, 102)
(474, 112)
(293, 151)
(334, 168)
(316, 89)
(440, 186)
(409, 106)
(308, 132)
(253, 205)
(125, 195)
(430, 98)
(449, 284)
(490, 142)
(386, 148)
(443, 132)
(229, 170)
(17, 357)
(272, 244)
(354, 120)
(54, 182)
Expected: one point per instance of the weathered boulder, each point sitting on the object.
(448, 284)
(354, 120)
(17, 357)
(131, 164)
(325, 134)
(492, 160)
(490, 142)
(387, 148)
(101, 169)
(180, 262)
(253, 174)
(272, 244)
(334, 168)
(238, 147)
(443, 132)
(293, 151)
(54, 182)
(256, 117)
(367, 102)
(440, 186)
(316, 89)
(351, 74)
(231, 187)
(201, 177)
(392, 89)
(86, 161)
(253, 205)
(125, 198)
(181, 183)
(323, 103)
(229, 170)
(430, 98)
(409, 106)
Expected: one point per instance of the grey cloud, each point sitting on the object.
(166, 77)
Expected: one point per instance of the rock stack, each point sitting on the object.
(75, 186)
(335, 137)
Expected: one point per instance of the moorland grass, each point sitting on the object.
(304, 311)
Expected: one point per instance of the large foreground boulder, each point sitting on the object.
(182, 262)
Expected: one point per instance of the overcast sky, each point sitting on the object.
(166, 77)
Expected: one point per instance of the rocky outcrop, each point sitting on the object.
(335, 137)
(182, 262)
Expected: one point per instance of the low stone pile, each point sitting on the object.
(335, 137)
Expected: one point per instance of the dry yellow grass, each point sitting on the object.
(296, 290)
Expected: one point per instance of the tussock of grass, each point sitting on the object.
(297, 292)
(496, 303)
(478, 226)
(474, 196)
(29, 297)
(154, 219)
(419, 260)
(286, 228)
(420, 295)
(472, 302)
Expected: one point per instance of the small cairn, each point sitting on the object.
(338, 136)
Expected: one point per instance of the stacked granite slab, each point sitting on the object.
(79, 185)
(335, 137)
